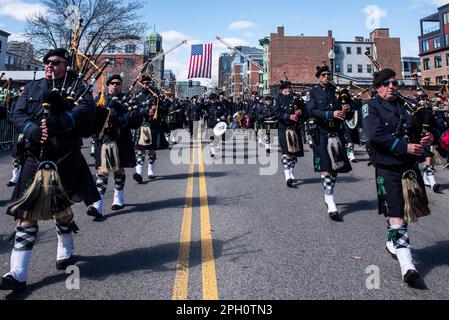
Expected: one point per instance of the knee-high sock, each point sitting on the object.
(329, 186)
(399, 235)
(119, 193)
(429, 176)
(286, 162)
(15, 171)
(102, 184)
(65, 233)
(294, 160)
(151, 165)
(21, 254)
(140, 162)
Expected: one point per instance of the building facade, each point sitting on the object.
(410, 65)
(3, 48)
(185, 91)
(153, 47)
(125, 59)
(351, 63)
(296, 57)
(434, 46)
(246, 77)
(169, 79)
(224, 72)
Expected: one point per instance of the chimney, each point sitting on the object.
(281, 31)
(329, 33)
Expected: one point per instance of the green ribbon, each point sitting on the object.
(317, 163)
(381, 190)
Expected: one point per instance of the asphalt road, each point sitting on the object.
(225, 230)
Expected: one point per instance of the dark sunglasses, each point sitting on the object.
(54, 62)
(387, 83)
(116, 83)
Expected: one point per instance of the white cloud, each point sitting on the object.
(173, 35)
(19, 10)
(249, 34)
(239, 25)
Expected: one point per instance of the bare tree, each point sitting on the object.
(105, 23)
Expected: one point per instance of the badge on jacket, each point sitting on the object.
(365, 111)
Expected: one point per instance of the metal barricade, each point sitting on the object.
(6, 134)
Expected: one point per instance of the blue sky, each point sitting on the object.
(244, 22)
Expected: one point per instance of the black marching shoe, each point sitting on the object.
(151, 177)
(437, 188)
(138, 178)
(64, 264)
(11, 184)
(116, 207)
(335, 216)
(291, 183)
(411, 276)
(9, 283)
(92, 212)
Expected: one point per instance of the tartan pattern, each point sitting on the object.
(140, 158)
(67, 228)
(429, 171)
(25, 238)
(399, 236)
(119, 180)
(16, 164)
(329, 184)
(288, 162)
(152, 159)
(102, 183)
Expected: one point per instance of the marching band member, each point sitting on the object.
(328, 136)
(17, 149)
(51, 139)
(216, 113)
(115, 150)
(389, 128)
(289, 113)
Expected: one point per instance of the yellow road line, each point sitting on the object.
(210, 289)
(181, 286)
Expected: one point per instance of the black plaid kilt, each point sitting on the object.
(75, 174)
(321, 159)
(391, 199)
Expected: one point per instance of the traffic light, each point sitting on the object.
(190, 83)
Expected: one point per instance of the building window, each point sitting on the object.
(447, 59)
(436, 43)
(359, 68)
(368, 49)
(439, 80)
(426, 81)
(426, 64)
(1, 46)
(446, 39)
(446, 18)
(438, 62)
(337, 68)
(359, 50)
(406, 67)
(130, 48)
(369, 68)
(111, 48)
(348, 50)
(425, 45)
(337, 50)
(349, 68)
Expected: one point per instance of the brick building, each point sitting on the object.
(125, 59)
(298, 56)
(434, 46)
(245, 76)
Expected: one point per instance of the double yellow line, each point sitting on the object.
(209, 277)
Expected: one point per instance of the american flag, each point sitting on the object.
(201, 61)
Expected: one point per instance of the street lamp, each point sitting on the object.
(331, 57)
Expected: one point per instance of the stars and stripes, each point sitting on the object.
(201, 61)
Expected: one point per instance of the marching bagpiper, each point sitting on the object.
(115, 150)
(55, 174)
(216, 112)
(327, 132)
(289, 113)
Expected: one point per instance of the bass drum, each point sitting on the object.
(354, 122)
